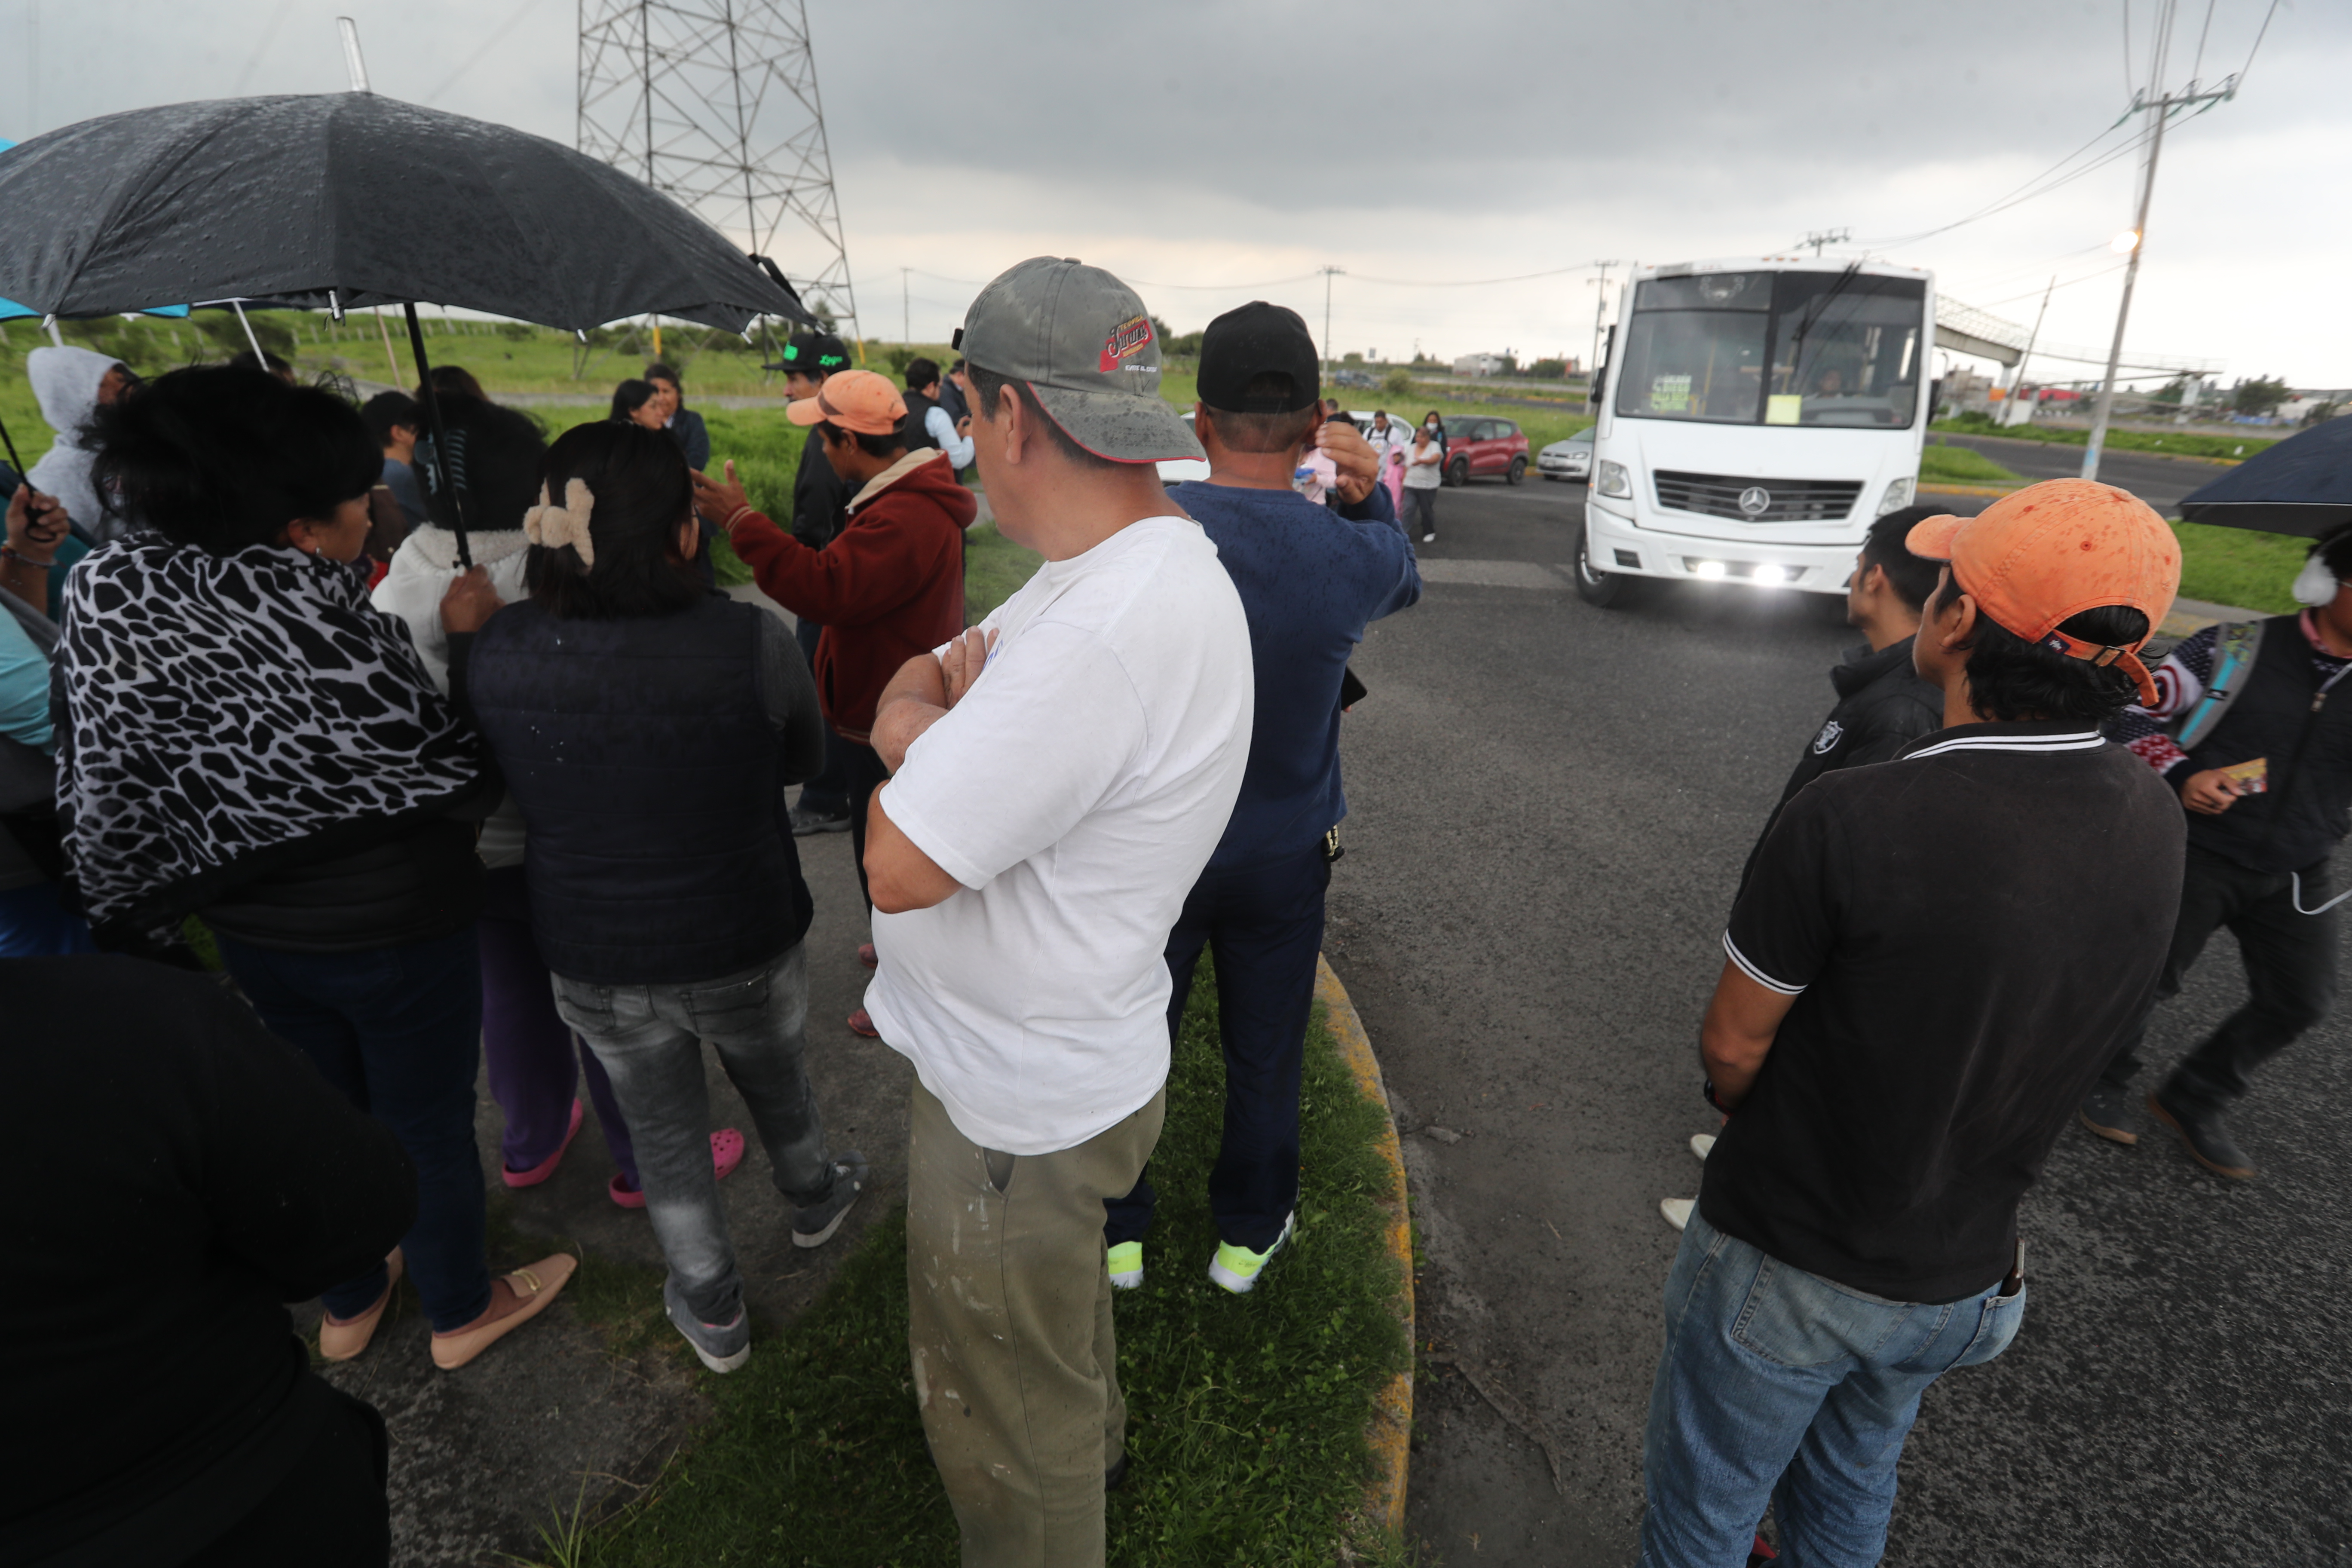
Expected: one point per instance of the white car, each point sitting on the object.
(1569, 459)
(1176, 470)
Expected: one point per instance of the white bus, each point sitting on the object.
(1754, 418)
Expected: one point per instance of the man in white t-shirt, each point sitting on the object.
(1061, 774)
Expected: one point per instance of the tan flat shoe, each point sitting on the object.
(515, 1300)
(342, 1341)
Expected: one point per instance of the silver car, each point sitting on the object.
(1569, 459)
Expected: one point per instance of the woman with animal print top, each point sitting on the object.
(246, 739)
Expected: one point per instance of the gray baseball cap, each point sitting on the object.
(1084, 344)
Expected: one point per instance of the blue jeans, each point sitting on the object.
(1264, 921)
(399, 1031)
(1780, 1386)
(649, 1038)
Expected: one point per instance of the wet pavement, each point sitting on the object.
(1550, 804)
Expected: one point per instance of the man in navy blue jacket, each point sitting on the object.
(1311, 576)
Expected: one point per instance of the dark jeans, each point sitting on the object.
(536, 1061)
(2290, 962)
(1421, 512)
(650, 1038)
(828, 792)
(1265, 923)
(399, 1031)
(330, 1507)
(863, 774)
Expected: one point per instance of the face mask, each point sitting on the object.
(1431, 426)
(2316, 586)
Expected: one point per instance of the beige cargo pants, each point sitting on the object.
(1009, 1328)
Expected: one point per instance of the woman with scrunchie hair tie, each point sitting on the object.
(647, 727)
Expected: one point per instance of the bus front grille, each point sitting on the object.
(1756, 500)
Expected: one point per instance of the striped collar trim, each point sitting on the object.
(2083, 741)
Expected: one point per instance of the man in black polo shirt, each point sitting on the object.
(1930, 960)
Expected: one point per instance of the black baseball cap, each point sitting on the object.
(1258, 339)
(813, 353)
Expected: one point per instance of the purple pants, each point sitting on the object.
(535, 1061)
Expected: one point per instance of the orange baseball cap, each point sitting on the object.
(857, 400)
(2040, 555)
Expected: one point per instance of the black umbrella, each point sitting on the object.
(344, 200)
(2303, 485)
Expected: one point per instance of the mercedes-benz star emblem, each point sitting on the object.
(1755, 500)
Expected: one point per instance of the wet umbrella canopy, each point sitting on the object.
(2303, 485)
(345, 200)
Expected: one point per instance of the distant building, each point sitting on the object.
(1478, 365)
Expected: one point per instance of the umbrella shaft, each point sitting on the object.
(444, 492)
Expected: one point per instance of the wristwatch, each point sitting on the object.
(1706, 1089)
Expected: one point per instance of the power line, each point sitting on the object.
(488, 44)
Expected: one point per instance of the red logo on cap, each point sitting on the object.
(1130, 337)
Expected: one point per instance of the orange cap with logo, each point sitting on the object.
(2039, 556)
(857, 400)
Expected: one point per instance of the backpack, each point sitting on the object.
(2234, 651)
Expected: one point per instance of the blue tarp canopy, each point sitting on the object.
(2303, 485)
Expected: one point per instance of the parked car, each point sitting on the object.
(1569, 459)
(1481, 446)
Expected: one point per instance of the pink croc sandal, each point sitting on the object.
(546, 1167)
(726, 1154)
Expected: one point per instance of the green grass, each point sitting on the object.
(2170, 443)
(2239, 566)
(1247, 1415)
(1962, 465)
(994, 568)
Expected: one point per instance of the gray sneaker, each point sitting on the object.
(814, 1226)
(723, 1347)
(806, 821)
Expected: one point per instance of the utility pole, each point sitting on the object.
(906, 319)
(1822, 237)
(1328, 273)
(2017, 382)
(2161, 104)
(1599, 305)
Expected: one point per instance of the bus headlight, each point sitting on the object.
(1614, 479)
(1898, 496)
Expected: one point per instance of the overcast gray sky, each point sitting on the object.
(1218, 142)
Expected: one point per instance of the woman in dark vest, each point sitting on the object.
(647, 728)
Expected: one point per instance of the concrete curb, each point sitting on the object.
(1392, 1424)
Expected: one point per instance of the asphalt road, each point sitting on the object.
(2160, 481)
(1549, 807)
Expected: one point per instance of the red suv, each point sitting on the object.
(1475, 447)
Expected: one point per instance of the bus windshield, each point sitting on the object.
(1775, 348)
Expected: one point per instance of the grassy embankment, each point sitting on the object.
(2166, 443)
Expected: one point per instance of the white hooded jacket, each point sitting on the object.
(422, 570)
(65, 381)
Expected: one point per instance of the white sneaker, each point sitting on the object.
(1702, 1144)
(1677, 1211)
(1429, 539)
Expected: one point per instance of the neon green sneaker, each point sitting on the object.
(1236, 1269)
(1127, 1266)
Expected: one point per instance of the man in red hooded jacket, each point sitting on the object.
(889, 586)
